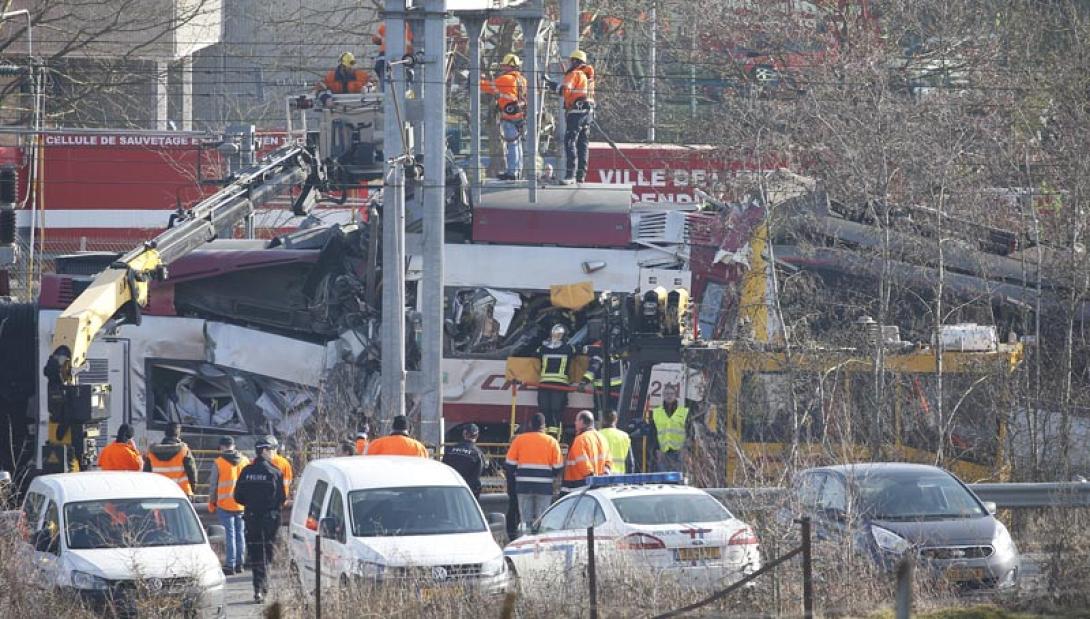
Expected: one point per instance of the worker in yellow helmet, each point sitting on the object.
(346, 78)
(577, 90)
(510, 90)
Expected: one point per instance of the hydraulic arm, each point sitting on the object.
(118, 293)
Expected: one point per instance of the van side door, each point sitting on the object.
(46, 541)
(304, 532)
(335, 559)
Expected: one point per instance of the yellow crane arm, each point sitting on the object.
(78, 325)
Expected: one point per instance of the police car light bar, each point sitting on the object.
(635, 479)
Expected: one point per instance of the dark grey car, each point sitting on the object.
(889, 509)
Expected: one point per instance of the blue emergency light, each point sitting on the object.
(635, 479)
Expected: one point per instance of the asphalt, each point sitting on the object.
(239, 595)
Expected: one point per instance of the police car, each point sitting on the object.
(643, 523)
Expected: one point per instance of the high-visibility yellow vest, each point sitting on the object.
(554, 364)
(670, 428)
(619, 444)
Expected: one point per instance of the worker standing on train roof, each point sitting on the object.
(577, 89)
(510, 90)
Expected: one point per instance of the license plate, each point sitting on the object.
(962, 573)
(700, 553)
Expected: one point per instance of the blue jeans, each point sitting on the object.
(512, 135)
(236, 542)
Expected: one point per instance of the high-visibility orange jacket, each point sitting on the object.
(221, 484)
(173, 460)
(510, 91)
(396, 445)
(536, 459)
(342, 81)
(576, 86)
(118, 456)
(604, 464)
(284, 465)
(586, 456)
(380, 38)
(361, 445)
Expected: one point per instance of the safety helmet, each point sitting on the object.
(348, 59)
(579, 55)
(513, 60)
(558, 330)
(271, 440)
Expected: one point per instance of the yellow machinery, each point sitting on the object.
(117, 295)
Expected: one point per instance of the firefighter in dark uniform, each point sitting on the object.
(260, 490)
(604, 400)
(553, 386)
(467, 458)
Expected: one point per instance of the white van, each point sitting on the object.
(115, 537)
(385, 518)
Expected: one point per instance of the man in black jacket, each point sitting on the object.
(260, 490)
(467, 459)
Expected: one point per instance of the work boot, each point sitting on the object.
(504, 176)
(259, 597)
(567, 180)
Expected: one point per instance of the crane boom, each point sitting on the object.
(123, 287)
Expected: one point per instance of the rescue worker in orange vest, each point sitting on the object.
(345, 79)
(588, 454)
(510, 90)
(281, 463)
(172, 458)
(222, 478)
(122, 454)
(577, 89)
(380, 61)
(533, 462)
(361, 438)
(398, 443)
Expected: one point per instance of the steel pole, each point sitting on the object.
(434, 93)
(393, 220)
(474, 26)
(653, 61)
(530, 29)
(569, 42)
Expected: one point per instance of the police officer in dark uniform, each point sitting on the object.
(467, 458)
(260, 490)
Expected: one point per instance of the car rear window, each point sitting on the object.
(670, 508)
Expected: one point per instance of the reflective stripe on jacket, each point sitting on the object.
(510, 91)
(361, 446)
(536, 459)
(284, 465)
(226, 480)
(619, 445)
(174, 468)
(670, 429)
(576, 87)
(585, 458)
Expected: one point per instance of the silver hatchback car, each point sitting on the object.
(889, 509)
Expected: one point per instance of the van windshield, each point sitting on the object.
(131, 523)
(428, 510)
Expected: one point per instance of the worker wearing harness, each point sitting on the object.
(577, 89)
(510, 91)
(345, 79)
